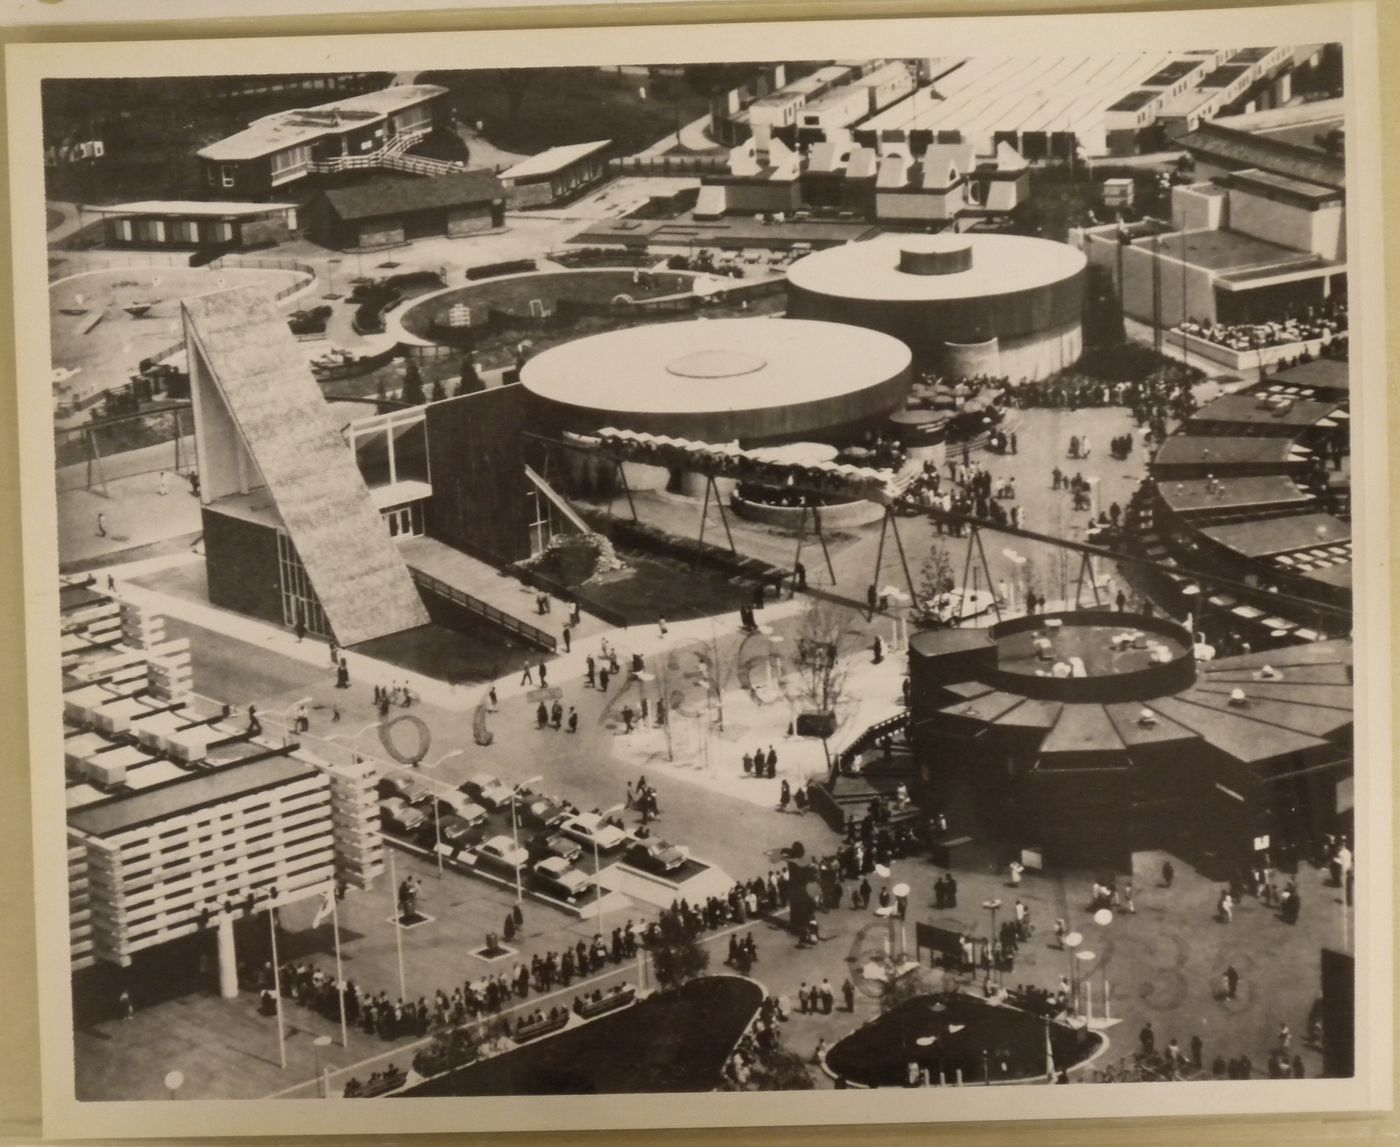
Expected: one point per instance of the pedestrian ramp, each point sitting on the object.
(650, 888)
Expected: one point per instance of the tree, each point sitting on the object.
(819, 667)
(515, 82)
(412, 384)
(935, 578)
(718, 669)
(470, 382)
(676, 956)
(439, 391)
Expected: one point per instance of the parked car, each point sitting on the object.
(396, 815)
(501, 854)
(456, 833)
(410, 788)
(558, 878)
(460, 805)
(547, 842)
(656, 855)
(591, 829)
(487, 791)
(539, 812)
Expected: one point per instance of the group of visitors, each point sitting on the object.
(1322, 322)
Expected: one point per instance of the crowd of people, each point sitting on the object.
(1322, 322)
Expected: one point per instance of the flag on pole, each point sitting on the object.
(326, 907)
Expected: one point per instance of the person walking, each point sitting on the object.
(772, 762)
(526, 676)
(163, 484)
(784, 797)
(1232, 983)
(101, 524)
(544, 675)
(573, 719)
(568, 640)
(848, 993)
(661, 625)
(1168, 874)
(541, 716)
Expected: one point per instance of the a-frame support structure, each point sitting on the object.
(710, 488)
(808, 504)
(890, 524)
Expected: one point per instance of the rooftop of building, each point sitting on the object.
(1226, 451)
(1268, 536)
(186, 794)
(1219, 250)
(1000, 264)
(398, 195)
(1235, 149)
(284, 129)
(1320, 373)
(554, 159)
(1253, 411)
(211, 209)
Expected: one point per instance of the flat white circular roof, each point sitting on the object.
(708, 365)
(1001, 264)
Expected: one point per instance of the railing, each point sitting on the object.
(495, 616)
(384, 157)
(869, 737)
(421, 165)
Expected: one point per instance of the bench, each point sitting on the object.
(379, 1084)
(547, 1026)
(620, 998)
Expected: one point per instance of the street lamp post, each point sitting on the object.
(437, 822)
(1072, 941)
(352, 739)
(991, 906)
(322, 1079)
(598, 866)
(515, 830)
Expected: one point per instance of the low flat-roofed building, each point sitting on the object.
(392, 210)
(558, 171)
(287, 145)
(195, 223)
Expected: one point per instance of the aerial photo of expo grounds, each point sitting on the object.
(802, 575)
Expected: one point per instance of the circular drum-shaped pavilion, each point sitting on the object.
(756, 381)
(966, 304)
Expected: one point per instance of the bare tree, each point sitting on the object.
(718, 669)
(819, 667)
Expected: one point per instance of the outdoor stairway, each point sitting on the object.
(247, 373)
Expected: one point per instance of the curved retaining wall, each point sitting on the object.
(841, 515)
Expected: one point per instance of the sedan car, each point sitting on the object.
(591, 829)
(400, 817)
(487, 791)
(557, 878)
(539, 812)
(454, 832)
(461, 806)
(501, 854)
(656, 855)
(551, 843)
(410, 788)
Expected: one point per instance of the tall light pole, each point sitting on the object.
(322, 1082)
(437, 822)
(352, 738)
(598, 865)
(1072, 941)
(991, 906)
(515, 831)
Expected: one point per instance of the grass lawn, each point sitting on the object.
(659, 587)
(569, 105)
(677, 1041)
(878, 1054)
(514, 295)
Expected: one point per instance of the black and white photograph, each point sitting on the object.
(566, 572)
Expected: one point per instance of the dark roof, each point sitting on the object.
(187, 795)
(1324, 373)
(1223, 450)
(1264, 492)
(1268, 536)
(1236, 149)
(397, 196)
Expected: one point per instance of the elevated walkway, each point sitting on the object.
(260, 413)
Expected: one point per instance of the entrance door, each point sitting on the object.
(405, 521)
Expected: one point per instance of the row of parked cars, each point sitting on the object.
(552, 834)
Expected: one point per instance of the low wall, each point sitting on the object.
(1239, 360)
(843, 515)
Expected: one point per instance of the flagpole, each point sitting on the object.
(398, 919)
(339, 972)
(277, 984)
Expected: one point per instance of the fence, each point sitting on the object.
(493, 615)
(124, 447)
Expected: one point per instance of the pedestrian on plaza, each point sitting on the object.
(799, 578)
(1226, 907)
(848, 993)
(544, 675)
(878, 649)
(864, 893)
(799, 801)
(101, 524)
(526, 677)
(163, 484)
(1128, 905)
(748, 764)
(884, 896)
(1168, 874)
(1285, 1037)
(630, 800)
(556, 714)
(335, 714)
(661, 625)
(1014, 870)
(645, 712)
(772, 762)
(1298, 1071)
(1232, 983)
(784, 797)
(568, 641)
(125, 1008)
(603, 679)
(1121, 601)
(591, 671)
(491, 699)
(1147, 1038)
(541, 716)
(628, 716)
(573, 719)
(827, 996)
